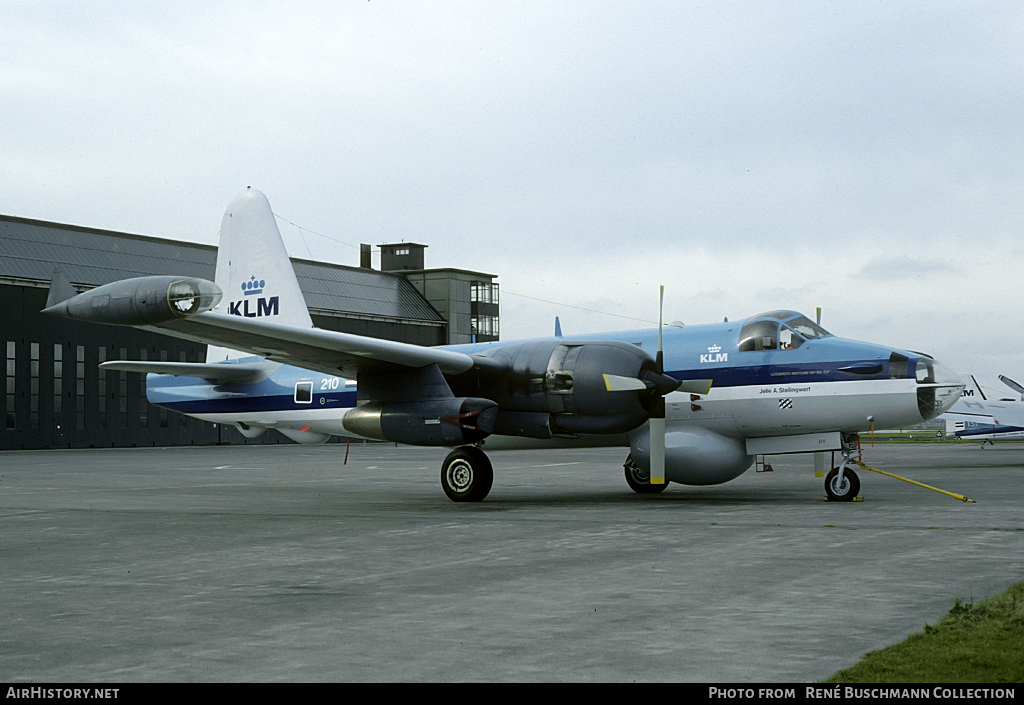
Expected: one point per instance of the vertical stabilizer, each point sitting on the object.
(253, 269)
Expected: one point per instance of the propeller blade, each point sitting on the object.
(695, 386)
(659, 385)
(657, 432)
(656, 427)
(662, 384)
(660, 359)
(617, 383)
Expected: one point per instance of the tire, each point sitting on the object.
(639, 480)
(466, 475)
(844, 492)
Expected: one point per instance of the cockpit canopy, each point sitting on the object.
(778, 330)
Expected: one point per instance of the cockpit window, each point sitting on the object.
(925, 370)
(807, 328)
(761, 334)
(788, 339)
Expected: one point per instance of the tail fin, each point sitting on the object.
(60, 289)
(253, 269)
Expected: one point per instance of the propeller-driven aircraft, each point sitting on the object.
(976, 416)
(694, 404)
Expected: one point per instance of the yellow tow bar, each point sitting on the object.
(919, 484)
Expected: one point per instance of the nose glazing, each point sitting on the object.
(938, 389)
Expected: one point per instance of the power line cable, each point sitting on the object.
(579, 308)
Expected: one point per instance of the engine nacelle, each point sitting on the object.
(438, 422)
(565, 380)
(141, 301)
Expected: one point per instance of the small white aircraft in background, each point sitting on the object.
(976, 416)
(693, 405)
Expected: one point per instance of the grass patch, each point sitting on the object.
(974, 643)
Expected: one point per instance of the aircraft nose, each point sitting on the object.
(938, 388)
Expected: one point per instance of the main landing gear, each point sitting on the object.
(639, 480)
(467, 475)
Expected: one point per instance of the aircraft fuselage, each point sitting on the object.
(767, 381)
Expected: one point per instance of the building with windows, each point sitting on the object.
(467, 300)
(54, 394)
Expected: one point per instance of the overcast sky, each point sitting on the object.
(865, 157)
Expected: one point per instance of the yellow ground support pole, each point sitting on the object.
(919, 484)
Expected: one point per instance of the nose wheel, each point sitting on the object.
(841, 488)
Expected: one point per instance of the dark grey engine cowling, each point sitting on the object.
(437, 422)
(563, 383)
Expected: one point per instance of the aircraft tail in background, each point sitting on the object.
(972, 390)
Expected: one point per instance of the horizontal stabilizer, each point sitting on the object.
(243, 372)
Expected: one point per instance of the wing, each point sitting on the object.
(181, 307)
(314, 349)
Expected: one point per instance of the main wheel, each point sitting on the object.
(843, 491)
(466, 475)
(639, 480)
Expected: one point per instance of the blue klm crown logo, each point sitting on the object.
(253, 286)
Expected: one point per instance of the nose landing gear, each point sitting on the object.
(842, 483)
(841, 487)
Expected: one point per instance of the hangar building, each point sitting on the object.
(55, 395)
